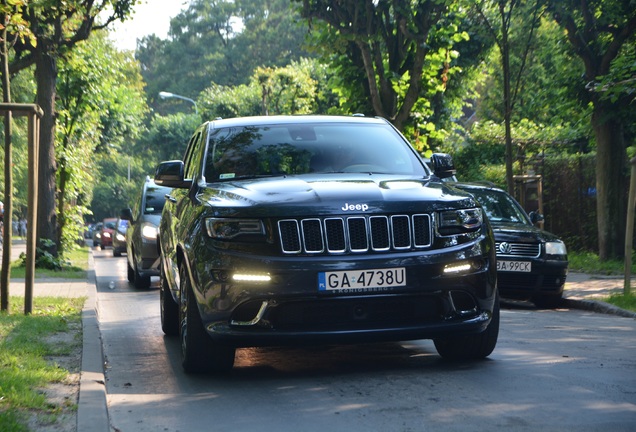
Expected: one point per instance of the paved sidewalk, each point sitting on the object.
(49, 287)
(585, 291)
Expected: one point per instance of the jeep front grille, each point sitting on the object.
(355, 234)
(524, 250)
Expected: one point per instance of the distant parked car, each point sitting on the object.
(106, 232)
(119, 237)
(141, 237)
(88, 231)
(97, 233)
(532, 264)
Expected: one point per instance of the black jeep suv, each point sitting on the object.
(316, 230)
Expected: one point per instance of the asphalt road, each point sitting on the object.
(560, 370)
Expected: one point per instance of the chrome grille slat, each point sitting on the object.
(524, 250)
(355, 234)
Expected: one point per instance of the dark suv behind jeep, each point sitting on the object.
(141, 237)
(317, 229)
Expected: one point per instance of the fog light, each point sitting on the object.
(220, 276)
(247, 277)
(457, 268)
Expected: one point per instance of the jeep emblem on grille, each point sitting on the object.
(355, 207)
(505, 248)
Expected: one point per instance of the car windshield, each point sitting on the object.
(155, 199)
(110, 225)
(245, 152)
(499, 206)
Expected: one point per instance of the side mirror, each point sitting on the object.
(126, 214)
(535, 217)
(171, 174)
(443, 166)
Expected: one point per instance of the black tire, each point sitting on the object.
(474, 346)
(130, 273)
(116, 253)
(548, 301)
(198, 352)
(169, 308)
(140, 282)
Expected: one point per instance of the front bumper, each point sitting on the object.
(547, 278)
(290, 309)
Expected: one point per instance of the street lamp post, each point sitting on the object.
(168, 95)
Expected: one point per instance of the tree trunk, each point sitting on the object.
(64, 175)
(46, 76)
(611, 160)
(8, 178)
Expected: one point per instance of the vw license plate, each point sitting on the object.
(362, 280)
(514, 266)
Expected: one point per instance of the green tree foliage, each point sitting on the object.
(100, 109)
(165, 139)
(500, 17)
(388, 53)
(219, 41)
(547, 89)
(272, 91)
(58, 27)
(601, 34)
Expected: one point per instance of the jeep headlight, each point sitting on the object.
(149, 231)
(460, 221)
(120, 237)
(555, 248)
(227, 229)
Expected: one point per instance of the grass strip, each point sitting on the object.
(30, 353)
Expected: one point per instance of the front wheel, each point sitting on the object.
(140, 281)
(169, 308)
(130, 272)
(198, 352)
(474, 346)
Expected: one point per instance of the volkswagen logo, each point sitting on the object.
(505, 248)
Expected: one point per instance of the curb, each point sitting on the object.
(92, 409)
(597, 306)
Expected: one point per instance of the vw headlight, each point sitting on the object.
(555, 248)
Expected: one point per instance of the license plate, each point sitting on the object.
(362, 280)
(514, 266)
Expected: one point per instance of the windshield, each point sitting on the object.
(499, 206)
(244, 152)
(110, 224)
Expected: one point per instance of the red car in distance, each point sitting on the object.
(105, 235)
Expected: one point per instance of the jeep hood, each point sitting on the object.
(332, 194)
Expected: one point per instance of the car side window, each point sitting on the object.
(190, 160)
(136, 210)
